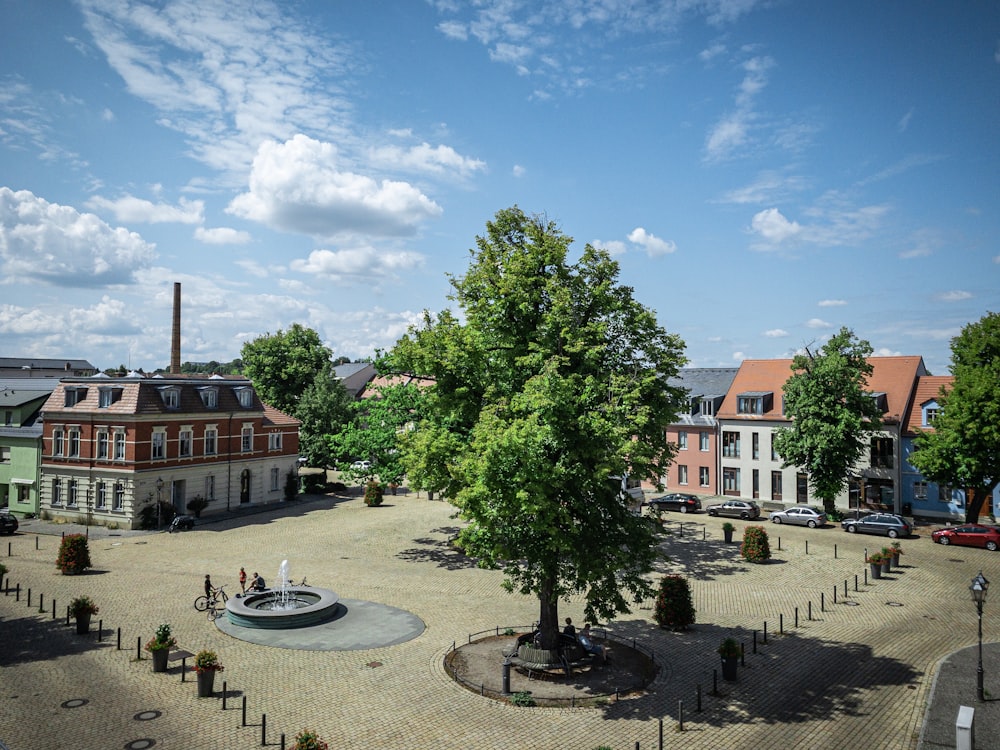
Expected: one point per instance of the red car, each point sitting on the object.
(972, 535)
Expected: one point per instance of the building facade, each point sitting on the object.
(112, 447)
(21, 402)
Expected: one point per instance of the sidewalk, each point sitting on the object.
(954, 686)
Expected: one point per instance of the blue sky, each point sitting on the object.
(764, 171)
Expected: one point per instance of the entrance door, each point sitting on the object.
(802, 488)
(245, 486)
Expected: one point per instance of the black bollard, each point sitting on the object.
(184, 669)
(263, 730)
(866, 576)
(809, 616)
(282, 743)
(41, 602)
(680, 716)
(17, 593)
(765, 632)
(661, 734)
(796, 618)
(781, 624)
(835, 552)
(53, 609)
(119, 646)
(100, 630)
(822, 601)
(807, 546)
(505, 677)
(856, 580)
(779, 543)
(224, 698)
(36, 541)
(29, 596)
(138, 648)
(834, 594)
(244, 710)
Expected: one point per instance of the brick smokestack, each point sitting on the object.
(175, 337)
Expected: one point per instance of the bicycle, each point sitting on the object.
(213, 608)
(203, 602)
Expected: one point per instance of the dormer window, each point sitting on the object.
(708, 407)
(929, 412)
(881, 400)
(209, 397)
(245, 396)
(75, 396)
(171, 395)
(695, 403)
(108, 396)
(754, 402)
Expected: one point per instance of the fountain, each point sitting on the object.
(288, 606)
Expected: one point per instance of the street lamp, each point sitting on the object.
(979, 588)
(159, 489)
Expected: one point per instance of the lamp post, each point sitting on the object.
(159, 489)
(979, 588)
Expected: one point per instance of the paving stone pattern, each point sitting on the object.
(853, 676)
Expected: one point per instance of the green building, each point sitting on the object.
(21, 401)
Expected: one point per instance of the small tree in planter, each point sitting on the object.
(82, 609)
(674, 609)
(196, 505)
(373, 493)
(160, 646)
(729, 650)
(307, 739)
(727, 532)
(756, 548)
(74, 554)
(206, 664)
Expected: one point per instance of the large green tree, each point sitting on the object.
(324, 408)
(552, 383)
(283, 365)
(963, 450)
(372, 434)
(833, 413)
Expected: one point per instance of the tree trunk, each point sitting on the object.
(548, 615)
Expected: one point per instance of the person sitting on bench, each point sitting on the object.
(586, 640)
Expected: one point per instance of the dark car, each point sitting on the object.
(887, 524)
(971, 535)
(745, 509)
(8, 523)
(181, 523)
(675, 501)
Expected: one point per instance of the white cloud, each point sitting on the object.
(773, 227)
(732, 130)
(653, 245)
(769, 186)
(832, 303)
(904, 121)
(299, 186)
(818, 323)
(454, 30)
(357, 263)
(739, 356)
(221, 236)
(612, 247)
(776, 333)
(137, 210)
(518, 171)
(955, 295)
(711, 52)
(426, 158)
(56, 244)
(884, 351)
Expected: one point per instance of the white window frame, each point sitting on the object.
(185, 441)
(158, 444)
(71, 494)
(119, 497)
(703, 476)
(58, 444)
(73, 442)
(101, 496)
(274, 441)
(682, 440)
(275, 480)
(119, 445)
(102, 445)
(246, 439)
(703, 442)
(211, 440)
(210, 487)
(682, 474)
(56, 492)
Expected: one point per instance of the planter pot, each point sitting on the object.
(83, 624)
(887, 566)
(876, 570)
(895, 561)
(160, 659)
(730, 665)
(727, 535)
(206, 683)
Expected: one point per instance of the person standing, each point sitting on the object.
(243, 581)
(209, 588)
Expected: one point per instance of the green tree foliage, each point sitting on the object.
(963, 450)
(832, 414)
(374, 430)
(555, 383)
(324, 408)
(74, 554)
(674, 608)
(283, 365)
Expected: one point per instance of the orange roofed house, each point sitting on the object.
(754, 409)
(114, 446)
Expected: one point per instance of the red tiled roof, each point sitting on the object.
(928, 389)
(894, 376)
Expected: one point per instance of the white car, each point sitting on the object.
(801, 515)
(361, 466)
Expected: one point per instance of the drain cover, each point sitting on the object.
(74, 703)
(147, 715)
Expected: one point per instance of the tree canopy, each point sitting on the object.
(324, 408)
(832, 412)
(553, 383)
(963, 449)
(283, 365)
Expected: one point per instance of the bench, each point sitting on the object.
(568, 657)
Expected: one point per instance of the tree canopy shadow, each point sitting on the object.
(440, 551)
(33, 639)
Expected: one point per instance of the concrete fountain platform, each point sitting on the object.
(356, 625)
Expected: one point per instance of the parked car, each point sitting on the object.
(801, 515)
(8, 523)
(887, 524)
(745, 509)
(361, 466)
(675, 501)
(971, 535)
(181, 523)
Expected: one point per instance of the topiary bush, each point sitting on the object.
(674, 609)
(74, 554)
(307, 739)
(373, 493)
(756, 548)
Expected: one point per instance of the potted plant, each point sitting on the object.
(196, 505)
(160, 646)
(756, 548)
(74, 554)
(875, 561)
(897, 550)
(886, 560)
(206, 664)
(307, 739)
(674, 608)
(729, 650)
(373, 493)
(83, 608)
(727, 532)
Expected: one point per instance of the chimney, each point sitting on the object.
(175, 338)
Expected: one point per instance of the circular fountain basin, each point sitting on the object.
(303, 606)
